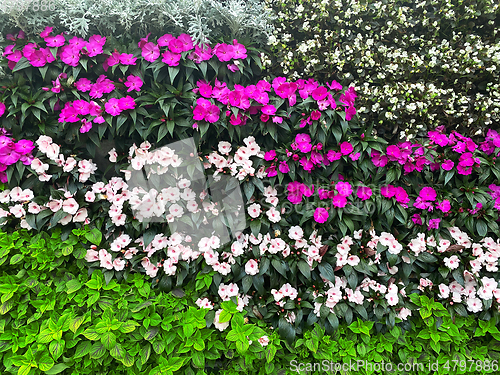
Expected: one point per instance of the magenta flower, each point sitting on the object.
(333, 155)
(199, 113)
(113, 59)
(388, 191)
(444, 206)
(401, 195)
(37, 59)
(264, 118)
(126, 103)
(271, 171)
(233, 68)
(204, 89)
(393, 152)
(24, 147)
(82, 107)
(428, 194)
(295, 192)
(433, 224)
(127, 59)
(113, 107)
(8, 156)
(344, 188)
(364, 192)
(417, 219)
(304, 147)
(70, 55)
(315, 115)
(46, 32)
(2, 109)
(170, 58)
(307, 164)
(346, 148)
(163, 40)
(98, 39)
(447, 165)
(187, 42)
(134, 83)
(239, 50)
(350, 112)
(77, 42)
(270, 155)
(269, 109)
(319, 93)
(83, 84)
(224, 52)
(143, 41)
(55, 41)
(339, 201)
(86, 126)
(334, 86)
(283, 167)
(150, 52)
(355, 156)
(321, 215)
(175, 45)
(212, 114)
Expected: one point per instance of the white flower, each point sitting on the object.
(70, 206)
(252, 267)
(452, 262)
(254, 210)
(112, 155)
(273, 215)
(264, 340)
(295, 232)
(224, 147)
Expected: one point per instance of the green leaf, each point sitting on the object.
(326, 271)
(72, 286)
(94, 236)
(23, 63)
(108, 339)
(45, 363)
(97, 350)
(305, 269)
(57, 369)
(56, 348)
(82, 349)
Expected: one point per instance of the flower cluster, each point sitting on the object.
(255, 99)
(11, 152)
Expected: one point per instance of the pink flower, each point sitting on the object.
(70, 55)
(321, 215)
(388, 191)
(212, 114)
(315, 115)
(54, 41)
(163, 40)
(150, 52)
(2, 109)
(433, 224)
(127, 59)
(224, 52)
(187, 42)
(46, 32)
(428, 194)
(364, 192)
(170, 58)
(355, 156)
(113, 107)
(24, 146)
(283, 167)
(444, 206)
(175, 45)
(346, 148)
(97, 39)
(339, 201)
(126, 103)
(239, 50)
(447, 165)
(333, 155)
(233, 68)
(350, 112)
(344, 188)
(134, 83)
(319, 93)
(83, 84)
(417, 219)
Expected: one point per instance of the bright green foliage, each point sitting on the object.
(59, 320)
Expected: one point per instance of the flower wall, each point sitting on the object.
(336, 225)
(415, 64)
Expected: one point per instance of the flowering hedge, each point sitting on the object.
(338, 223)
(415, 64)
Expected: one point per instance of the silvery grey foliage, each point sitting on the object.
(205, 20)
